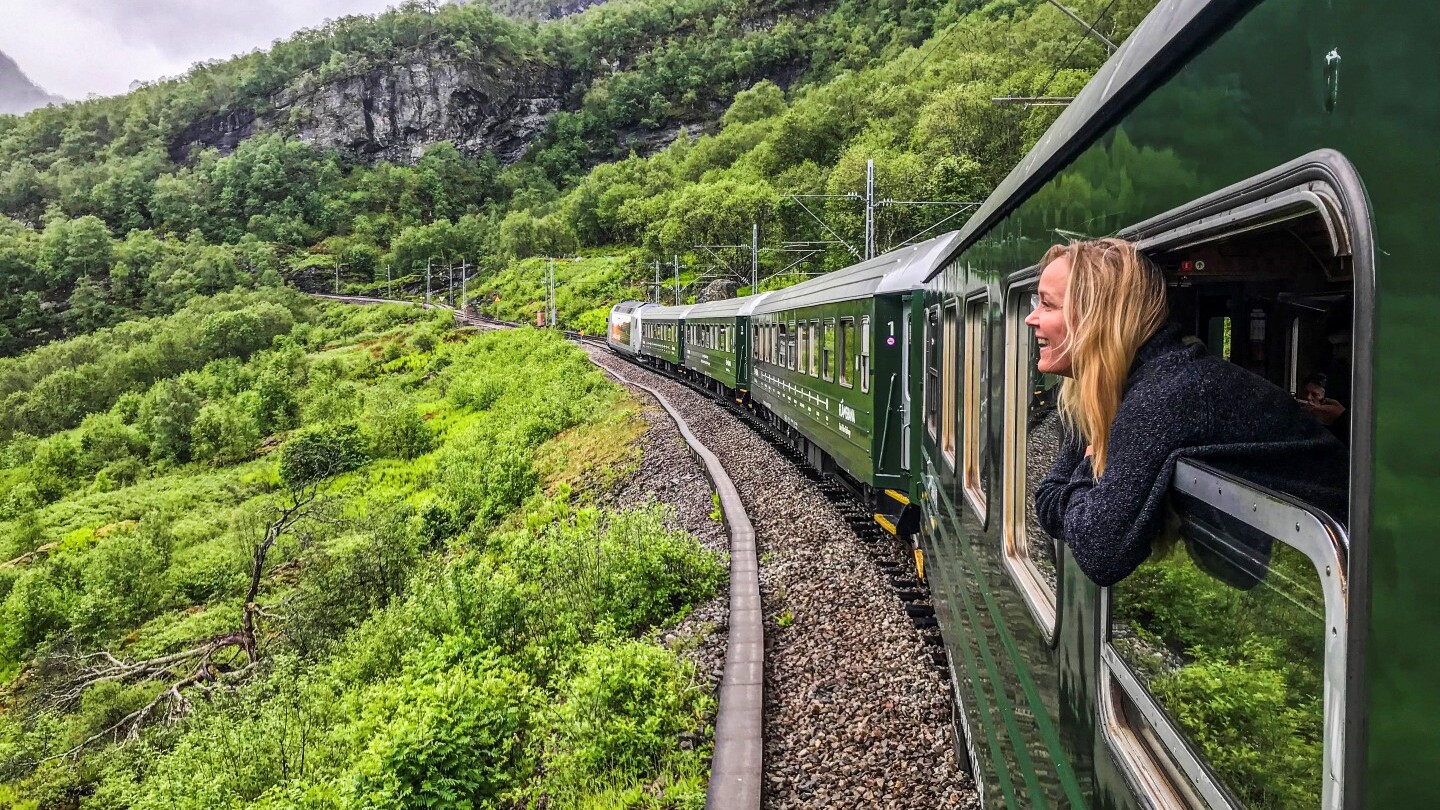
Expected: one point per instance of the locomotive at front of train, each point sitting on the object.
(623, 335)
(1276, 656)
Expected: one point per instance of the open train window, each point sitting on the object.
(847, 351)
(950, 351)
(1032, 439)
(976, 389)
(1236, 639)
(791, 351)
(783, 341)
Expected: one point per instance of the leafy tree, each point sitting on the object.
(167, 418)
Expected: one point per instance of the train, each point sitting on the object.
(1274, 162)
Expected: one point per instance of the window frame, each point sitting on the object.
(1328, 183)
(930, 389)
(976, 337)
(844, 373)
(949, 380)
(1043, 602)
(1326, 545)
(827, 359)
(863, 361)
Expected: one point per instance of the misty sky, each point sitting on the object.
(78, 47)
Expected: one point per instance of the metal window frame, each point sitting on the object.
(950, 413)
(1325, 182)
(844, 370)
(1287, 521)
(1043, 602)
(863, 369)
(976, 331)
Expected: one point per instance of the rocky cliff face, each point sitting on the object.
(19, 95)
(393, 112)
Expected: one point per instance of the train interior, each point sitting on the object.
(1275, 298)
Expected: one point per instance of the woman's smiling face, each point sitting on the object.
(1048, 319)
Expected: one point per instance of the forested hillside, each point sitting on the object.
(117, 207)
(284, 554)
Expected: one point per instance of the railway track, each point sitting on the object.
(852, 630)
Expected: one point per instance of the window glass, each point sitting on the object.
(827, 349)
(976, 388)
(864, 354)
(783, 345)
(846, 352)
(814, 348)
(1224, 630)
(950, 348)
(790, 350)
(932, 370)
(1033, 438)
(802, 347)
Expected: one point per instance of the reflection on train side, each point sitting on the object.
(1225, 629)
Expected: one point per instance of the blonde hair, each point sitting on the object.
(1114, 302)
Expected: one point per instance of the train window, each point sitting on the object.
(1032, 440)
(791, 350)
(976, 389)
(827, 349)
(1225, 658)
(802, 347)
(931, 391)
(782, 341)
(814, 349)
(847, 351)
(1224, 661)
(864, 359)
(950, 350)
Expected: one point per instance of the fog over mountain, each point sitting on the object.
(17, 93)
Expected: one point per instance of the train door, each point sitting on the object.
(905, 383)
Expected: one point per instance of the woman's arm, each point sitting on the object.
(1054, 490)
(1109, 524)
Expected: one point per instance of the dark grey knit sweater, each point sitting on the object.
(1183, 403)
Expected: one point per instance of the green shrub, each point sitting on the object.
(319, 452)
(34, 610)
(393, 426)
(625, 571)
(224, 434)
(622, 713)
(456, 738)
(485, 481)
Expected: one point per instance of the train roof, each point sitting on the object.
(896, 271)
(627, 306)
(728, 308)
(1168, 35)
(658, 313)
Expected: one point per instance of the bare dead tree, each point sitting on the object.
(219, 662)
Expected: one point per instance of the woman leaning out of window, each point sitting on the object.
(1135, 399)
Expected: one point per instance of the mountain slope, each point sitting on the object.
(19, 95)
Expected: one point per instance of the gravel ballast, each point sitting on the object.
(857, 714)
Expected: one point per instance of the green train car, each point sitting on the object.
(662, 335)
(830, 364)
(717, 347)
(1276, 159)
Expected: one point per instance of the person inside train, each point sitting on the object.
(1136, 399)
(1313, 401)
